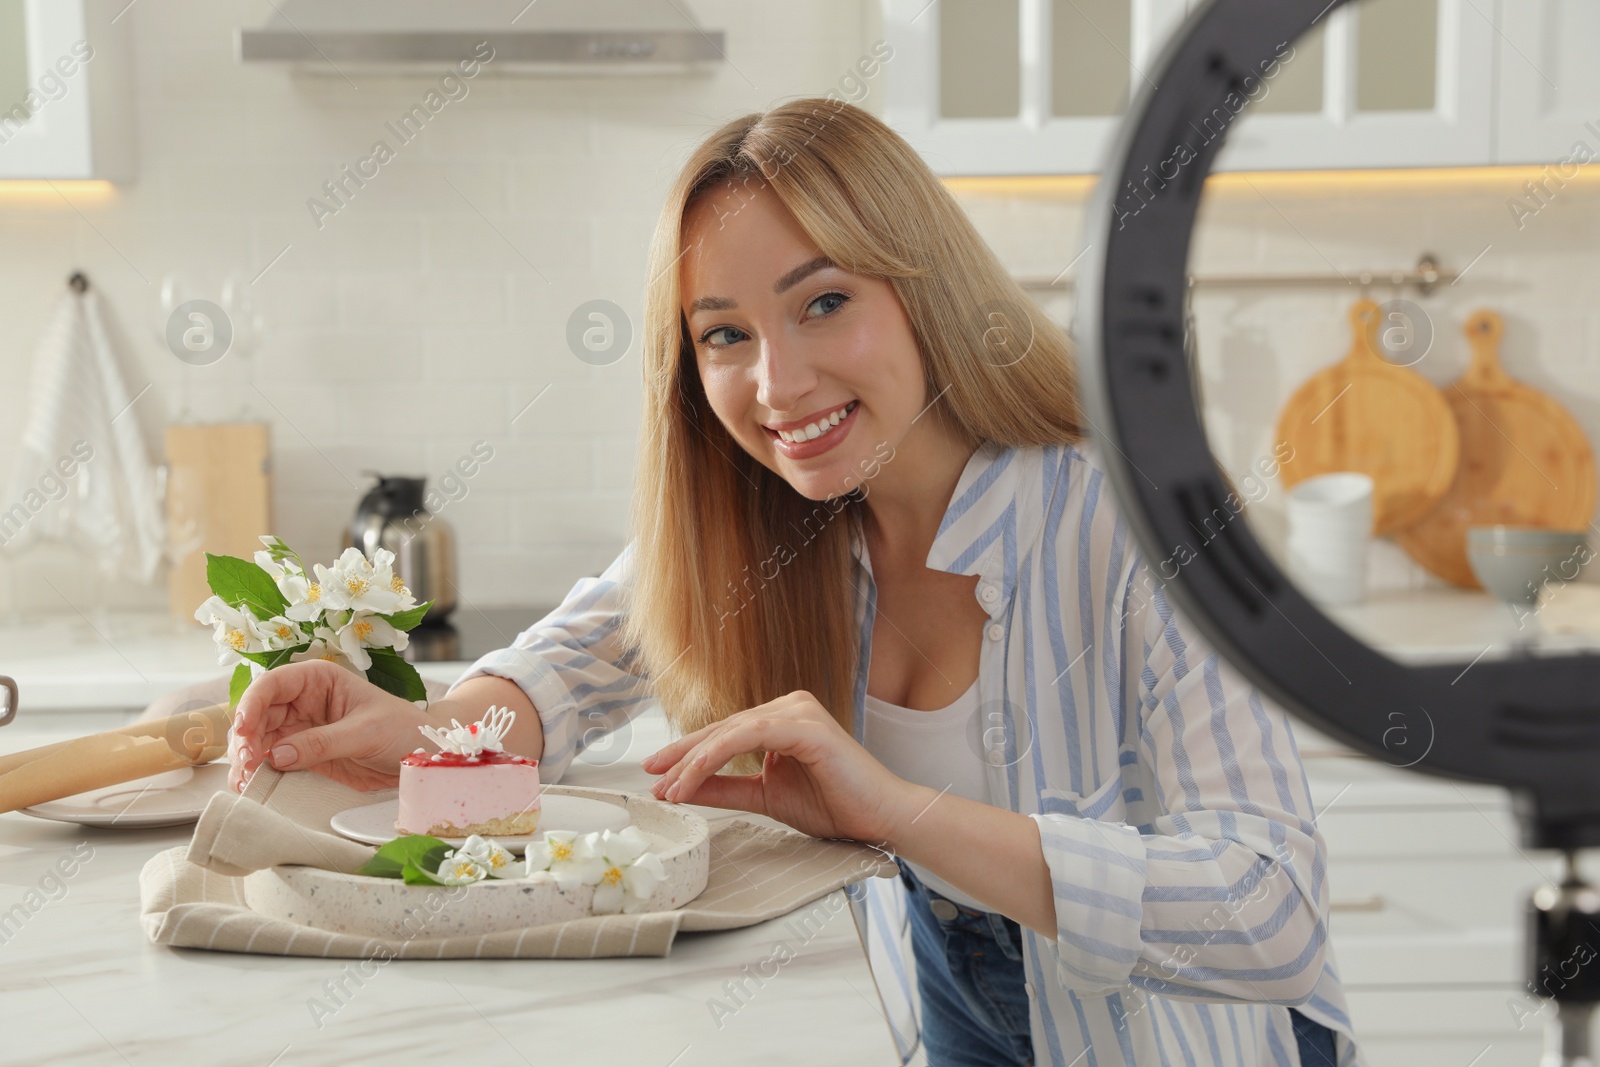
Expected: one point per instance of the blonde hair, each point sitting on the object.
(742, 588)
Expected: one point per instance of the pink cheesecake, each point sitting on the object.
(446, 795)
(472, 786)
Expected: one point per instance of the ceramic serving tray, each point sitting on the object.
(388, 908)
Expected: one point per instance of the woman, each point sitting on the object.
(876, 570)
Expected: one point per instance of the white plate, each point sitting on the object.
(373, 824)
(170, 798)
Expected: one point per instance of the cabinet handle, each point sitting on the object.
(1373, 903)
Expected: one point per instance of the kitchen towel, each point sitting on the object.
(83, 475)
(193, 896)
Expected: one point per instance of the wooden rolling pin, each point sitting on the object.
(125, 754)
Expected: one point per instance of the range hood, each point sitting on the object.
(538, 37)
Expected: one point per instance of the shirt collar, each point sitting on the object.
(984, 524)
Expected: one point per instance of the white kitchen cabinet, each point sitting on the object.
(1427, 886)
(1549, 83)
(1017, 86)
(66, 90)
(985, 87)
(1403, 83)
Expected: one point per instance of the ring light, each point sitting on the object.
(1530, 724)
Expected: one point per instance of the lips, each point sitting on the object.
(822, 431)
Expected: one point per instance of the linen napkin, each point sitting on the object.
(193, 896)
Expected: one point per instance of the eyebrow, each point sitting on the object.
(782, 285)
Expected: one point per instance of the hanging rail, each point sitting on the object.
(1424, 277)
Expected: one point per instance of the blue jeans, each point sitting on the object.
(1315, 1041)
(974, 1001)
(969, 977)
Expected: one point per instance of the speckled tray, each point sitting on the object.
(387, 907)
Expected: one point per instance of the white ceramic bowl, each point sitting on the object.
(1515, 562)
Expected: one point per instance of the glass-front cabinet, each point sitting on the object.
(1549, 106)
(66, 109)
(1036, 86)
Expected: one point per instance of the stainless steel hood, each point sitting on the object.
(540, 37)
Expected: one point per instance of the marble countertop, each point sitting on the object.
(1459, 625)
(82, 985)
(119, 660)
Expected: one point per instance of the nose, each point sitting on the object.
(783, 377)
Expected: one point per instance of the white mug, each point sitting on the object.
(10, 687)
(1330, 526)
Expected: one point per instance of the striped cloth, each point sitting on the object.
(194, 896)
(1189, 876)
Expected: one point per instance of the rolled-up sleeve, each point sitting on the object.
(1220, 892)
(574, 668)
(1097, 876)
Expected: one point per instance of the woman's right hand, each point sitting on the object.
(317, 715)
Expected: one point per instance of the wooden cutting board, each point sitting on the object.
(1524, 462)
(218, 500)
(1366, 414)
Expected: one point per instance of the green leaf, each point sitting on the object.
(273, 659)
(409, 619)
(415, 875)
(241, 583)
(419, 850)
(279, 551)
(393, 674)
(238, 683)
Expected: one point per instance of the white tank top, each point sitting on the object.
(931, 748)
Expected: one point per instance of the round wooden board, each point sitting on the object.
(1366, 414)
(1524, 462)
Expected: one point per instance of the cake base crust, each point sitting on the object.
(517, 825)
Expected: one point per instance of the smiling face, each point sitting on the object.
(811, 368)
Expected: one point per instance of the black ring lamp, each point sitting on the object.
(1529, 723)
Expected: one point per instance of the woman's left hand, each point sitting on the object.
(816, 777)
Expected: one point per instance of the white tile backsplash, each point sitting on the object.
(427, 311)
(430, 309)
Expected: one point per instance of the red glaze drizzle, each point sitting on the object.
(456, 759)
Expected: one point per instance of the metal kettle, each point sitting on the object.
(392, 515)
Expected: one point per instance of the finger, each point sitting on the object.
(687, 756)
(707, 757)
(267, 698)
(246, 754)
(745, 792)
(235, 762)
(308, 746)
(674, 765)
(669, 754)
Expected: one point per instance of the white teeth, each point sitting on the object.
(816, 429)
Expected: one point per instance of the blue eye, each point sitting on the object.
(705, 338)
(826, 296)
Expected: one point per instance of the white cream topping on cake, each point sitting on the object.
(486, 735)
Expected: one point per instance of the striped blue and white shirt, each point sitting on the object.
(1189, 876)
